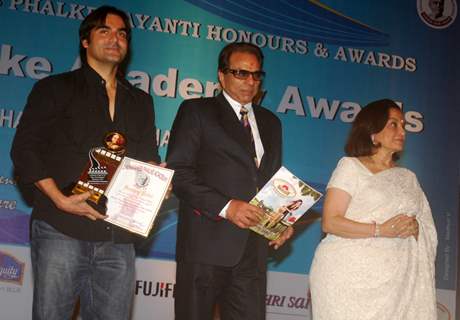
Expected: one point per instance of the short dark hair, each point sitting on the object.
(370, 120)
(228, 50)
(96, 19)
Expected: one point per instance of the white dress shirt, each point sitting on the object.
(255, 133)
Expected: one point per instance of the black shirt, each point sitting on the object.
(65, 116)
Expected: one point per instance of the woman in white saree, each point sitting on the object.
(377, 260)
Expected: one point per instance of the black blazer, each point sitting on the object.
(212, 160)
(65, 116)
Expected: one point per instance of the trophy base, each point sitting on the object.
(96, 176)
(97, 200)
(82, 187)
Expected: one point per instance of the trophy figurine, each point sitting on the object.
(102, 164)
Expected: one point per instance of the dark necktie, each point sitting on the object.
(247, 128)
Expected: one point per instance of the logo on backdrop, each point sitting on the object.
(11, 269)
(289, 302)
(438, 14)
(157, 289)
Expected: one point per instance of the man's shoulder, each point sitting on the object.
(135, 91)
(266, 113)
(201, 101)
(57, 84)
(202, 104)
(60, 77)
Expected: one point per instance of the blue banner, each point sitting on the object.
(324, 61)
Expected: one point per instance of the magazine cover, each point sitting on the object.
(284, 199)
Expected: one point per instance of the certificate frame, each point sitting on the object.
(135, 194)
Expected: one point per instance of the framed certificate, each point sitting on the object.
(135, 194)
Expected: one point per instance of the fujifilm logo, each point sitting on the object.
(155, 289)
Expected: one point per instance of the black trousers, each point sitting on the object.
(238, 290)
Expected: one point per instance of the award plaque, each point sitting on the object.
(102, 164)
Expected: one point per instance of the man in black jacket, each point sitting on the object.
(74, 251)
(223, 149)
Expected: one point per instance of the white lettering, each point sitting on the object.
(411, 65)
(156, 25)
(38, 68)
(6, 116)
(47, 8)
(196, 30)
(7, 62)
(291, 101)
(60, 10)
(229, 35)
(184, 25)
(301, 47)
(14, 4)
(142, 19)
(340, 55)
(165, 138)
(347, 110)
(355, 55)
(244, 36)
(211, 89)
(214, 33)
(31, 5)
(351, 110)
(398, 62)
(413, 121)
(140, 80)
(165, 85)
(188, 88)
(322, 106)
(370, 59)
(76, 11)
(287, 45)
(171, 26)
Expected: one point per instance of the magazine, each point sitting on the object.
(284, 199)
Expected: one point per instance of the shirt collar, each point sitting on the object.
(235, 104)
(94, 78)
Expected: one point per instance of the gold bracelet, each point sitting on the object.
(376, 230)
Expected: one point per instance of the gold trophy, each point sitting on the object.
(102, 164)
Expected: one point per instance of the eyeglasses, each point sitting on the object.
(244, 74)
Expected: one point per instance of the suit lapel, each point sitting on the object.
(232, 125)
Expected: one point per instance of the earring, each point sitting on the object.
(373, 139)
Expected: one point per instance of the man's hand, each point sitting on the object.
(243, 214)
(282, 238)
(76, 204)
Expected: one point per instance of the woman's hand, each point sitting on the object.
(400, 226)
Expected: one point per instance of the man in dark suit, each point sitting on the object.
(223, 150)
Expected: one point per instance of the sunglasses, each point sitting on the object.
(244, 74)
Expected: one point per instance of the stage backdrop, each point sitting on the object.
(324, 61)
